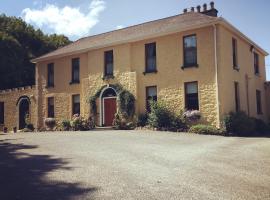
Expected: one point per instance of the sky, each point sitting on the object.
(80, 18)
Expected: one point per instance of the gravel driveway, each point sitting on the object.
(132, 165)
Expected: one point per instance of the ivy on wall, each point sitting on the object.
(125, 100)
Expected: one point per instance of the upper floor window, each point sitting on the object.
(76, 104)
(191, 96)
(256, 63)
(151, 95)
(108, 63)
(190, 51)
(236, 97)
(150, 58)
(234, 53)
(259, 102)
(50, 71)
(75, 77)
(51, 107)
(2, 113)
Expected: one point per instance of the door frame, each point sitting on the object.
(103, 105)
(18, 109)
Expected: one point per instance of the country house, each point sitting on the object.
(194, 60)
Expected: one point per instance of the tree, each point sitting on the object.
(19, 43)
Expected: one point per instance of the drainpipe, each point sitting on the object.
(247, 89)
(216, 76)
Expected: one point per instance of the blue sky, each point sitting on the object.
(78, 18)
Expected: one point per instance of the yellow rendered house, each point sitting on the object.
(195, 60)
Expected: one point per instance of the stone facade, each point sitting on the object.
(215, 76)
(11, 99)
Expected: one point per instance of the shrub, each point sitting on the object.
(142, 120)
(79, 123)
(178, 124)
(192, 116)
(65, 125)
(240, 124)
(159, 117)
(50, 123)
(261, 127)
(204, 130)
(123, 122)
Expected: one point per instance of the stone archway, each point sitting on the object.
(108, 106)
(24, 109)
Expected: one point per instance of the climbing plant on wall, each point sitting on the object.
(125, 100)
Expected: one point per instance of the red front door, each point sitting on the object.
(109, 111)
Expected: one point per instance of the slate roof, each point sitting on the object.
(133, 33)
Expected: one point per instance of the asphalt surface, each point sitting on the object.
(132, 165)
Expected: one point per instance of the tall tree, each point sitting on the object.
(19, 43)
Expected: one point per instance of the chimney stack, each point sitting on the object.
(199, 9)
(204, 7)
(212, 11)
(212, 4)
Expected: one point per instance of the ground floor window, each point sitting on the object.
(2, 113)
(151, 94)
(76, 104)
(51, 107)
(259, 103)
(191, 96)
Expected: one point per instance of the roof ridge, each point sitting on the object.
(123, 31)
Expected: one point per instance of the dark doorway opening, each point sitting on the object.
(23, 112)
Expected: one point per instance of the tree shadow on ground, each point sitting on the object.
(22, 176)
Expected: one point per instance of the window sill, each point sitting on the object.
(74, 82)
(189, 66)
(107, 77)
(150, 72)
(49, 86)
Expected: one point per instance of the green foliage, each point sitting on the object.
(142, 120)
(204, 130)
(126, 100)
(240, 124)
(162, 118)
(79, 123)
(122, 122)
(178, 124)
(19, 43)
(126, 103)
(261, 127)
(65, 125)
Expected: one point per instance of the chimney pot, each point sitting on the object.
(192, 9)
(185, 10)
(212, 4)
(205, 7)
(198, 9)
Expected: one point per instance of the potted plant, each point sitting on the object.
(50, 123)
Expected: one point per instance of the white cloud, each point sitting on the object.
(120, 27)
(67, 20)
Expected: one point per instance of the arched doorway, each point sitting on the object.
(23, 107)
(108, 107)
